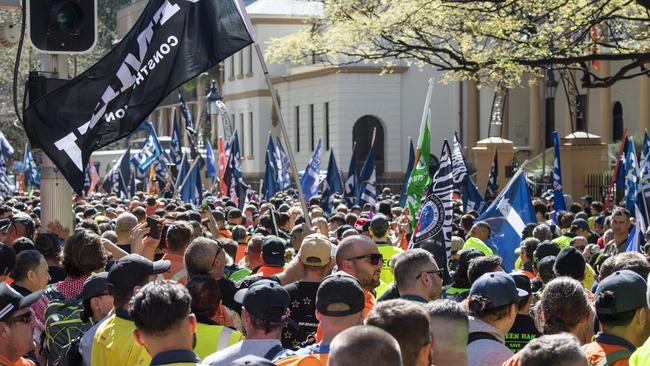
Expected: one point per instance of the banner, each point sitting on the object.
(172, 42)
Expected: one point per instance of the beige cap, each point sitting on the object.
(316, 250)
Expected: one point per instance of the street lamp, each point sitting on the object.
(212, 108)
(549, 125)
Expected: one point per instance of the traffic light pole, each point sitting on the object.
(56, 193)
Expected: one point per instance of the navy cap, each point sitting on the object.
(273, 251)
(628, 288)
(580, 224)
(95, 285)
(11, 301)
(265, 299)
(132, 270)
(570, 262)
(499, 288)
(340, 295)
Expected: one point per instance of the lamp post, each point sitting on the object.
(549, 125)
(211, 100)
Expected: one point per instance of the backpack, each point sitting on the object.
(70, 354)
(63, 323)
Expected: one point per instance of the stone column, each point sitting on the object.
(582, 155)
(484, 156)
(604, 106)
(534, 117)
(472, 117)
(644, 96)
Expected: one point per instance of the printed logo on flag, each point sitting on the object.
(432, 217)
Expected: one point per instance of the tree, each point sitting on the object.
(494, 42)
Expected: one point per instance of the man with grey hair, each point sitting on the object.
(448, 324)
(557, 349)
(124, 225)
(542, 233)
(364, 345)
(417, 276)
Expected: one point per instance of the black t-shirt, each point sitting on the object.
(57, 274)
(302, 313)
(522, 332)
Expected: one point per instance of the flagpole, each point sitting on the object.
(425, 112)
(285, 135)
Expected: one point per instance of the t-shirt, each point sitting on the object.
(522, 332)
(4, 361)
(302, 313)
(641, 357)
(86, 342)
(57, 274)
(241, 251)
(176, 271)
(387, 251)
(176, 357)
(610, 347)
(114, 344)
(313, 355)
(255, 347)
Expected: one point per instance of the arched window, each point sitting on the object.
(362, 135)
(617, 121)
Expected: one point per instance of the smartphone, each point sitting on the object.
(155, 224)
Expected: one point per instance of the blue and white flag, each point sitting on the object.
(5, 147)
(472, 199)
(7, 188)
(192, 190)
(631, 175)
(493, 180)
(283, 165)
(183, 169)
(187, 116)
(132, 186)
(368, 178)
(622, 169)
(351, 191)
(149, 152)
(270, 184)
(31, 170)
(119, 176)
(409, 167)
(311, 180)
(458, 163)
(331, 185)
(507, 216)
(211, 166)
(644, 168)
(232, 174)
(558, 194)
(175, 151)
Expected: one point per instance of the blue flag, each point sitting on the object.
(175, 152)
(507, 216)
(311, 178)
(132, 186)
(31, 170)
(5, 147)
(622, 170)
(331, 186)
(352, 182)
(472, 199)
(211, 167)
(183, 169)
(270, 185)
(117, 179)
(644, 168)
(368, 178)
(185, 112)
(149, 152)
(283, 165)
(558, 194)
(631, 176)
(634, 204)
(232, 175)
(409, 167)
(458, 162)
(191, 191)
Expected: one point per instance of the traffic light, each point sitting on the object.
(62, 26)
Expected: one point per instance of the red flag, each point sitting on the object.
(594, 47)
(94, 177)
(222, 167)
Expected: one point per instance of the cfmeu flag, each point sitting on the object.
(507, 216)
(634, 199)
(149, 152)
(351, 188)
(30, 168)
(558, 194)
(331, 185)
(311, 178)
(171, 42)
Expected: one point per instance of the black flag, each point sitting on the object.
(492, 188)
(172, 42)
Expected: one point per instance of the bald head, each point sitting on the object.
(124, 224)
(364, 345)
(200, 256)
(351, 246)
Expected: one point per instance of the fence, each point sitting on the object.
(598, 184)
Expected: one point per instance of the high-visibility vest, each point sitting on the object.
(212, 338)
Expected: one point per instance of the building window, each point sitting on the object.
(243, 136)
(326, 122)
(250, 61)
(311, 127)
(232, 66)
(297, 118)
(250, 133)
(581, 112)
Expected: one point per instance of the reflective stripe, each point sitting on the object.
(224, 338)
(180, 274)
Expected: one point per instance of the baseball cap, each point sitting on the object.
(379, 224)
(628, 288)
(273, 251)
(131, 270)
(360, 223)
(570, 262)
(587, 198)
(580, 224)
(218, 215)
(95, 285)
(521, 280)
(239, 233)
(234, 213)
(251, 360)
(339, 295)
(545, 249)
(316, 250)
(499, 288)
(265, 299)
(11, 301)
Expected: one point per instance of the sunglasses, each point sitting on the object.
(25, 318)
(437, 271)
(216, 255)
(373, 258)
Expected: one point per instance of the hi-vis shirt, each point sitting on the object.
(388, 251)
(114, 344)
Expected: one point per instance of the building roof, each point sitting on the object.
(285, 9)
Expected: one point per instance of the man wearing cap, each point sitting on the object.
(165, 327)
(220, 219)
(97, 304)
(18, 225)
(16, 326)
(264, 310)
(234, 218)
(379, 231)
(624, 317)
(316, 256)
(113, 343)
(523, 330)
(272, 256)
(339, 306)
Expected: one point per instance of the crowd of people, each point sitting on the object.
(154, 281)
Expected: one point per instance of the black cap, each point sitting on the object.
(580, 224)
(628, 288)
(251, 360)
(239, 233)
(265, 299)
(499, 288)
(11, 301)
(570, 262)
(521, 280)
(379, 224)
(132, 270)
(342, 290)
(546, 249)
(95, 285)
(587, 198)
(218, 215)
(273, 251)
(234, 213)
